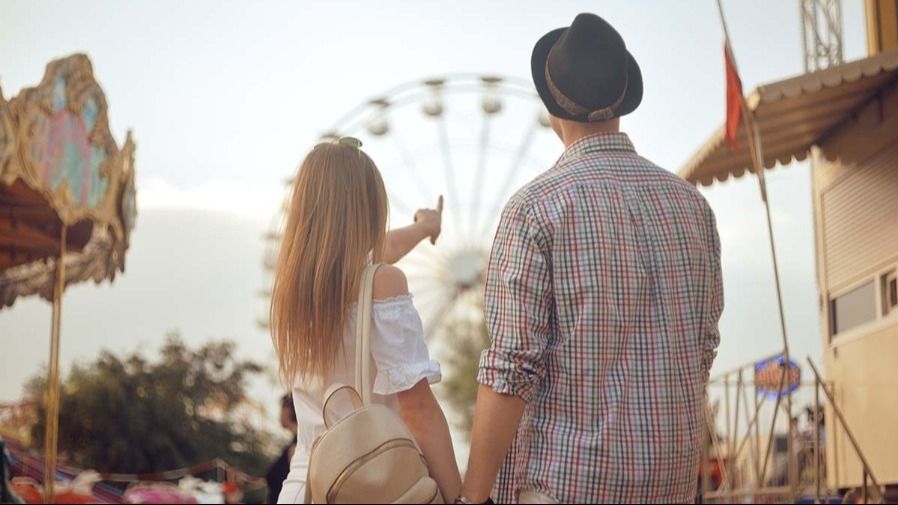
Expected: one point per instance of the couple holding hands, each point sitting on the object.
(602, 301)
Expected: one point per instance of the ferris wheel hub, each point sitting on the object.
(467, 268)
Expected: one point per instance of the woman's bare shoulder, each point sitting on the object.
(389, 282)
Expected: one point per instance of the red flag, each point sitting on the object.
(734, 97)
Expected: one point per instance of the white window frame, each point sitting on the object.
(880, 322)
(885, 279)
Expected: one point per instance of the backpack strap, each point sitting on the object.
(329, 396)
(363, 335)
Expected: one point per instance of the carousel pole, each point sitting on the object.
(51, 434)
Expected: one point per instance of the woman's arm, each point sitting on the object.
(424, 418)
(428, 224)
(419, 409)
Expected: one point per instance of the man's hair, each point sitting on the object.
(287, 403)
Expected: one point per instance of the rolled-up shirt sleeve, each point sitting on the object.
(518, 304)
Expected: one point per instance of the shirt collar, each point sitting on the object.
(610, 141)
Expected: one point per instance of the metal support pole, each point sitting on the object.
(704, 464)
(739, 386)
(51, 428)
(866, 496)
(817, 440)
(757, 444)
(715, 443)
(726, 392)
(757, 155)
(752, 423)
(776, 409)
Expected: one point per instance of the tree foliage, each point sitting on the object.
(470, 338)
(134, 415)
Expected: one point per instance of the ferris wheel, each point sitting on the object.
(474, 139)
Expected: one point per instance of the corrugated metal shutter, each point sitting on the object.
(860, 220)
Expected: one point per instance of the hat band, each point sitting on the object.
(575, 109)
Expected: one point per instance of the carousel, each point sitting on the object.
(67, 203)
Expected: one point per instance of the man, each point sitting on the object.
(602, 301)
(278, 470)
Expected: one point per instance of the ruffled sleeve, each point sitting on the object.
(398, 347)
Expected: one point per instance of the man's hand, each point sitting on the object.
(431, 220)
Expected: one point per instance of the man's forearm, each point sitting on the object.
(496, 421)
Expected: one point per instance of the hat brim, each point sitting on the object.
(538, 69)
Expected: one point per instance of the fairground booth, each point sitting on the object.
(844, 120)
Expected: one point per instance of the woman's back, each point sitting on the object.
(399, 359)
(335, 228)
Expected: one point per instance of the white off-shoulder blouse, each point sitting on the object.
(400, 360)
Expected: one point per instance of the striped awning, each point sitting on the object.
(794, 115)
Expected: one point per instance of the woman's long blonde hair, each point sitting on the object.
(337, 220)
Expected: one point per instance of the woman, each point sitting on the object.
(336, 226)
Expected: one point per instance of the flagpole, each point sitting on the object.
(756, 152)
(757, 156)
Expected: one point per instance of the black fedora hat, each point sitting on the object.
(585, 73)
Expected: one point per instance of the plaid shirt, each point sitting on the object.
(602, 302)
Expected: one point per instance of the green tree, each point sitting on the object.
(470, 338)
(132, 415)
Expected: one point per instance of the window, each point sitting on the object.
(854, 308)
(889, 291)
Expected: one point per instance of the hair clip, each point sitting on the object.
(351, 142)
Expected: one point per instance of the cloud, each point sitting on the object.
(247, 199)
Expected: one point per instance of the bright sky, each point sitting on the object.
(226, 97)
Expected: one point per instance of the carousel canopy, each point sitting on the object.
(793, 115)
(61, 167)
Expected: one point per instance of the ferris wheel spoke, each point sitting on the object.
(420, 265)
(419, 262)
(428, 293)
(449, 170)
(427, 289)
(423, 282)
(509, 178)
(428, 253)
(411, 167)
(427, 302)
(400, 204)
(442, 278)
(440, 315)
(473, 221)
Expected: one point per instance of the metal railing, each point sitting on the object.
(754, 450)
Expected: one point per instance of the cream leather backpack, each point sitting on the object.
(368, 455)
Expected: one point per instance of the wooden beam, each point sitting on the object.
(28, 213)
(21, 236)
